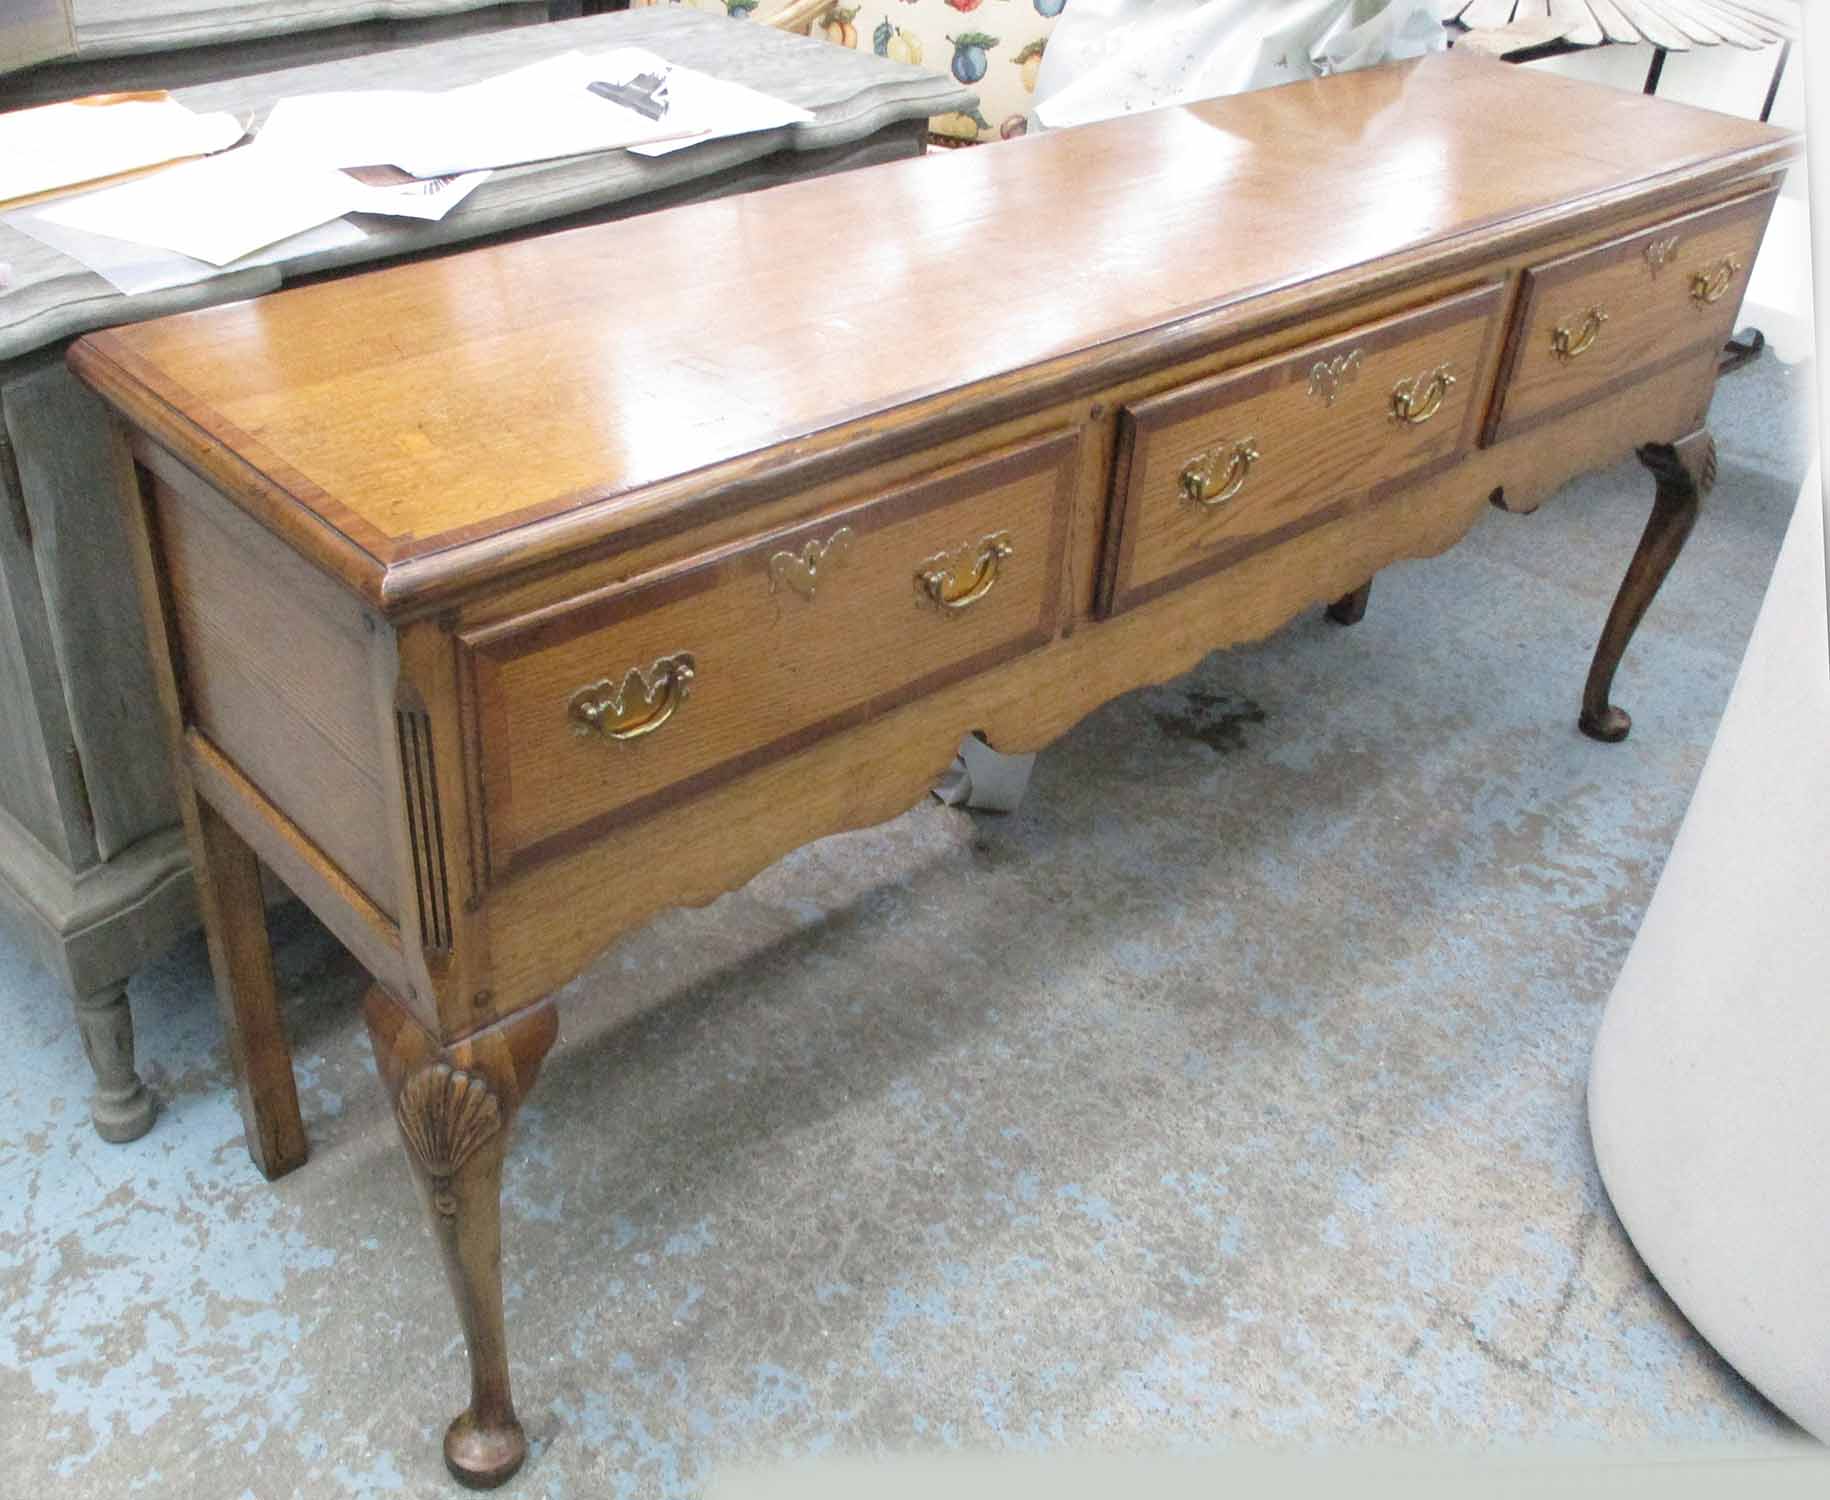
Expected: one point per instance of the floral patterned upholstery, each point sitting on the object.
(994, 47)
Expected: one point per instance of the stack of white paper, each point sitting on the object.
(381, 191)
(229, 206)
(216, 210)
(65, 145)
(419, 155)
(536, 113)
(134, 269)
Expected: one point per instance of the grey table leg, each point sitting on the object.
(120, 1106)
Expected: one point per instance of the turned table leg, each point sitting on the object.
(453, 1106)
(1685, 471)
(120, 1106)
(1350, 609)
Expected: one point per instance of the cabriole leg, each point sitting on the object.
(1685, 471)
(120, 1106)
(1740, 351)
(453, 1106)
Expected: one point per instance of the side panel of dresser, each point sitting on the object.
(273, 672)
(272, 693)
(276, 690)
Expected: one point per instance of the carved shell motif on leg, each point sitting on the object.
(446, 1115)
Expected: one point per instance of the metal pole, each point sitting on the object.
(1779, 72)
(1656, 71)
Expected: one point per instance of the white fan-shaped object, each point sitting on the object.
(1675, 25)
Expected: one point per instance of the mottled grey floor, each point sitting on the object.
(1230, 1090)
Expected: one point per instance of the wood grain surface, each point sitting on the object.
(276, 675)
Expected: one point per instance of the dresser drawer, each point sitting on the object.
(1601, 318)
(1215, 471)
(612, 705)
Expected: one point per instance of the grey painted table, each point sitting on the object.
(132, 44)
(92, 864)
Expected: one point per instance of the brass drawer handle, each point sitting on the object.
(1416, 400)
(638, 706)
(1214, 477)
(1711, 286)
(802, 571)
(1567, 344)
(1327, 376)
(951, 581)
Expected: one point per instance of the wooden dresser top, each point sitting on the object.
(407, 425)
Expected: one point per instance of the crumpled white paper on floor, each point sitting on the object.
(1114, 57)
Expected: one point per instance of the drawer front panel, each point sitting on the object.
(1604, 317)
(1215, 471)
(614, 705)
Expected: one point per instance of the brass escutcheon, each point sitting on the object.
(1416, 400)
(801, 571)
(1566, 342)
(952, 581)
(1660, 252)
(639, 705)
(1327, 376)
(1711, 286)
(1212, 478)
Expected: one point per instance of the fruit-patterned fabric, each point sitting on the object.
(994, 47)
